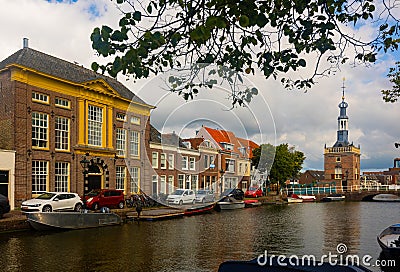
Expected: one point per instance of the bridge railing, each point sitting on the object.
(339, 189)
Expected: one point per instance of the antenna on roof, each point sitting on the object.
(25, 43)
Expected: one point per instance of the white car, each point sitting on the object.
(53, 201)
(181, 196)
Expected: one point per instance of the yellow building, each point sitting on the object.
(54, 113)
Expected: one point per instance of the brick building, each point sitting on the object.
(342, 160)
(53, 113)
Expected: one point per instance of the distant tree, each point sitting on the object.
(273, 37)
(286, 162)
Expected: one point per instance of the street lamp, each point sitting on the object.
(85, 165)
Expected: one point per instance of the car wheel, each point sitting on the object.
(121, 205)
(180, 202)
(194, 201)
(202, 200)
(47, 208)
(95, 206)
(78, 207)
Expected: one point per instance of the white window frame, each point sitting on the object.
(154, 182)
(206, 164)
(230, 165)
(134, 144)
(135, 179)
(154, 160)
(181, 181)
(171, 161)
(170, 184)
(62, 103)
(120, 177)
(95, 125)
(192, 163)
(163, 161)
(40, 97)
(62, 133)
(135, 120)
(185, 162)
(121, 142)
(163, 181)
(195, 182)
(40, 176)
(40, 130)
(61, 176)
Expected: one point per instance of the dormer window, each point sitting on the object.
(227, 146)
(121, 117)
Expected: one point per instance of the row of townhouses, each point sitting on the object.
(54, 115)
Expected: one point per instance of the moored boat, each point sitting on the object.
(71, 220)
(386, 198)
(308, 198)
(293, 198)
(334, 197)
(389, 240)
(250, 203)
(199, 210)
(229, 203)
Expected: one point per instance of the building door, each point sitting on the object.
(4, 180)
(94, 182)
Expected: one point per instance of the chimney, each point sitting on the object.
(25, 42)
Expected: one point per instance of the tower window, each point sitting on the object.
(338, 159)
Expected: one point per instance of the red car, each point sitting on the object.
(105, 198)
(253, 192)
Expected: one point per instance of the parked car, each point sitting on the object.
(4, 205)
(109, 198)
(234, 192)
(181, 196)
(53, 201)
(253, 192)
(205, 196)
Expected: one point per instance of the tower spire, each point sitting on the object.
(343, 120)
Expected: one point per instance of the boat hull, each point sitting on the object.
(308, 198)
(252, 203)
(199, 210)
(294, 200)
(71, 220)
(230, 205)
(386, 198)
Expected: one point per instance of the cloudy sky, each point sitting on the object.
(307, 121)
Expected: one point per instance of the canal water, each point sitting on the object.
(201, 243)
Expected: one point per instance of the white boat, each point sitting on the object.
(334, 197)
(230, 203)
(308, 198)
(71, 220)
(389, 240)
(293, 198)
(386, 198)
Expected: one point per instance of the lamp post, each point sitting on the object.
(85, 165)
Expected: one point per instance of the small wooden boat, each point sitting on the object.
(308, 198)
(199, 210)
(389, 240)
(229, 203)
(334, 197)
(71, 220)
(250, 203)
(386, 198)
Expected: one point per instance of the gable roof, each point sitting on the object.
(56, 67)
(224, 136)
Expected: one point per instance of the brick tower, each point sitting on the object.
(342, 160)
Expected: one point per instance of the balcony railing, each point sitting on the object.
(342, 149)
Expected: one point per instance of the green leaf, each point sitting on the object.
(302, 63)
(244, 21)
(137, 16)
(95, 66)
(149, 8)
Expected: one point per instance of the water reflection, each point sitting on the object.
(341, 226)
(201, 243)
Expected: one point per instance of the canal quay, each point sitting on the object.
(203, 242)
